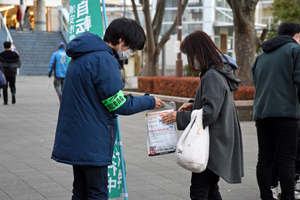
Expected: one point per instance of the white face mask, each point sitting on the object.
(196, 63)
(124, 54)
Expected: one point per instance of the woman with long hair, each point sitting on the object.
(26, 24)
(215, 97)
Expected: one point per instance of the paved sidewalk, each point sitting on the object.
(26, 139)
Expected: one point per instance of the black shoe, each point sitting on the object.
(5, 103)
(13, 101)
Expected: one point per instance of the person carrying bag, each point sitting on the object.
(215, 97)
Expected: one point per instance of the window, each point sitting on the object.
(189, 28)
(222, 4)
(217, 41)
(192, 15)
(194, 3)
(170, 15)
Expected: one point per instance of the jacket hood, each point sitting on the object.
(232, 63)
(231, 80)
(10, 60)
(86, 43)
(276, 42)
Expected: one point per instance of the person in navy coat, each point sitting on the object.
(92, 97)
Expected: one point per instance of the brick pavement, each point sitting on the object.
(26, 139)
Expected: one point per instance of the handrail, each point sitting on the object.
(6, 29)
(63, 16)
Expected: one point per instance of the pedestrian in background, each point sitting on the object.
(215, 97)
(10, 62)
(276, 77)
(19, 15)
(92, 97)
(58, 65)
(27, 25)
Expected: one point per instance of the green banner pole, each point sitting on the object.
(122, 160)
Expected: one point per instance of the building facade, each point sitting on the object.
(215, 17)
(43, 13)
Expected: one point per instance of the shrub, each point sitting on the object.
(183, 87)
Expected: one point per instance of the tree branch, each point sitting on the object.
(150, 38)
(136, 16)
(166, 37)
(237, 9)
(260, 40)
(159, 19)
(156, 13)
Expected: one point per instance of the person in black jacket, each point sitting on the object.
(10, 61)
(276, 76)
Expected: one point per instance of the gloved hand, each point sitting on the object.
(49, 75)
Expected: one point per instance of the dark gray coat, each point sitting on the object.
(215, 96)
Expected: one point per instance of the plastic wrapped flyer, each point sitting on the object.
(161, 138)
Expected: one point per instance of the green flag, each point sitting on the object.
(115, 179)
(85, 15)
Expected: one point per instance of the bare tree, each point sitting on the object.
(153, 31)
(245, 38)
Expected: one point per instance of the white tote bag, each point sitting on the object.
(193, 146)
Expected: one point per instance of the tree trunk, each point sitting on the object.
(245, 38)
(151, 64)
(153, 46)
(245, 53)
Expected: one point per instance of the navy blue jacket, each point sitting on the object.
(86, 130)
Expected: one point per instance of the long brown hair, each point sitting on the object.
(199, 44)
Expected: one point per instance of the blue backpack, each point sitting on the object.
(2, 79)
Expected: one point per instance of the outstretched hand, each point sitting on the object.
(186, 107)
(158, 104)
(169, 117)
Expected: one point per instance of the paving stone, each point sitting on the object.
(27, 131)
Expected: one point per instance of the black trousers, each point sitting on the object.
(275, 176)
(277, 136)
(90, 183)
(11, 82)
(205, 186)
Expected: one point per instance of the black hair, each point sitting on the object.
(7, 44)
(131, 33)
(288, 28)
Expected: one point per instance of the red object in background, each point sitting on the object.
(183, 87)
(19, 14)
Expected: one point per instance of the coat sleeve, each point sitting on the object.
(213, 94)
(297, 68)
(52, 60)
(18, 61)
(253, 67)
(108, 83)
(183, 119)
